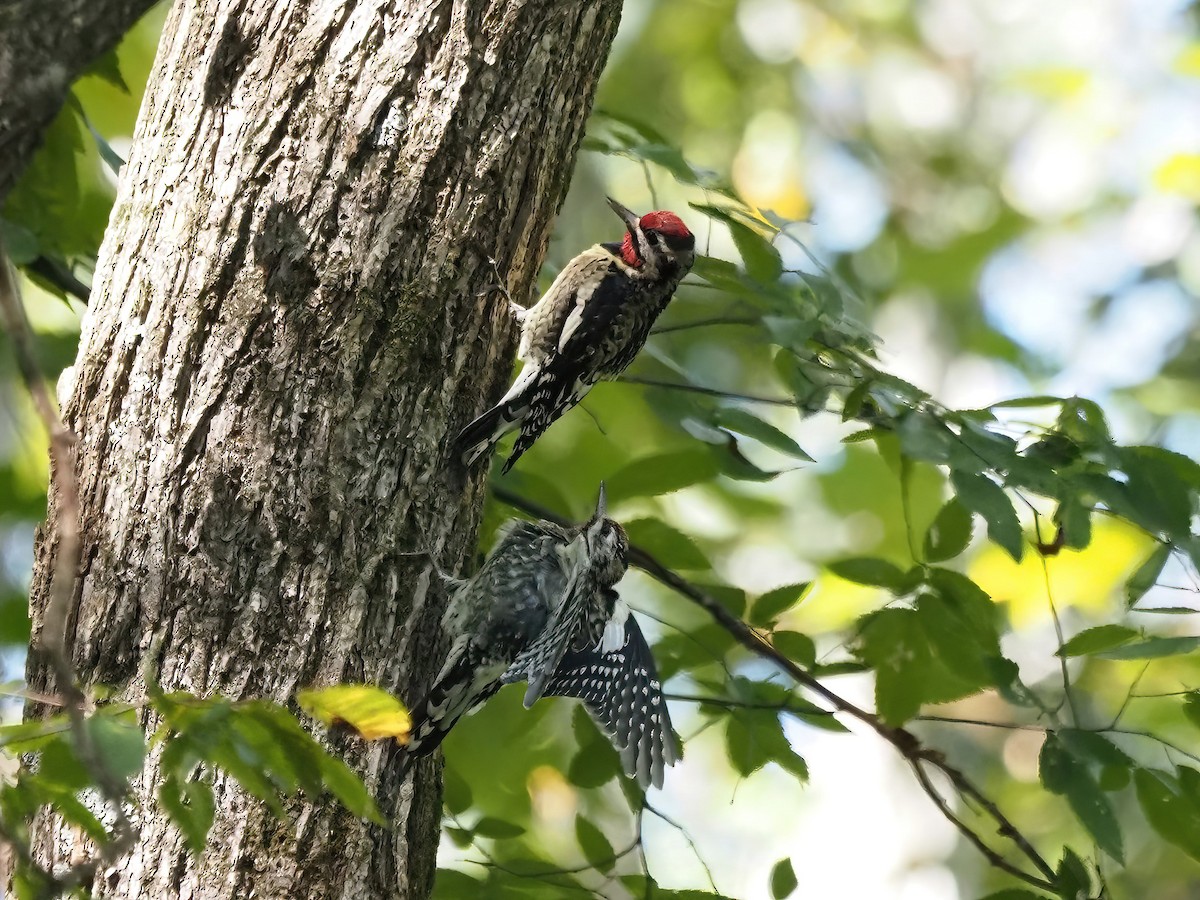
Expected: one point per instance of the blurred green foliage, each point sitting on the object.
(1014, 565)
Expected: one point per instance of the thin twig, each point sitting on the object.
(62, 583)
(944, 808)
(982, 723)
(691, 843)
(906, 743)
(1058, 629)
(704, 323)
(1129, 695)
(727, 703)
(710, 392)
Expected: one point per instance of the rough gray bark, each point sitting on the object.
(285, 330)
(44, 46)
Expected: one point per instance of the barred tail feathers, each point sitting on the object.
(460, 687)
(482, 435)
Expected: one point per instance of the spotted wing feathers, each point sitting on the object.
(622, 692)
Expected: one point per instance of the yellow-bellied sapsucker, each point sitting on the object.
(588, 326)
(543, 609)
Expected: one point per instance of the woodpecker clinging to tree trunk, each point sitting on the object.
(542, 609)
(589, 325)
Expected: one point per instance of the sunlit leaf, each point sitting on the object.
(369, 710)
(1097, 640)
(1153, 648)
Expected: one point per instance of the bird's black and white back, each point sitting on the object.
(588, 326)
(543, 609)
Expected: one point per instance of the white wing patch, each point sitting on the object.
(614, 631)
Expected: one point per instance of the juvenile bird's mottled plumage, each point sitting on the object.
(588, 326)
(543, 609)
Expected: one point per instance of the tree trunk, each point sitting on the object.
(44, 46)
(288, 324)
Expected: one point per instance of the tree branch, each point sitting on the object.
(44, 47)
(62, 583)
(905, 742)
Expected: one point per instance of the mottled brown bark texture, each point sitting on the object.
(44, 46)
(289, 322)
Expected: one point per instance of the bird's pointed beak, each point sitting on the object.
(628, 216)
(601, 504)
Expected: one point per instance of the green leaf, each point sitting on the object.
(783, 879)
(870, 571)
(23, 737)
(597, 849)
(1173, 816)
(596, 763)
(191, 807)
(771, 605)
(949, 534)
(491, 827)
(19, 241)
(1072, 881)
(736, 419)
(1062, 773)
(746, 756)
(451, 884)
(456, 793)
(1075, 520)
(651, 476)
(14, 619)
(895, 645)
(799, 648)
(962, 636)
(120, 745)
(760, 256)
(670, 547)
(1014, 894)
(1147, 574)
(1154, 648)
(107, 68)
(1097, 640)
(369, 710)
(982, 495)
(344, 783)
(1159, 495)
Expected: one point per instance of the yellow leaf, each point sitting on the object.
(1180, 174)
(370, 711)
(1188, 62)
(1087, 579)
(1053, 82)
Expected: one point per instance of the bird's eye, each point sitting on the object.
(652, 235)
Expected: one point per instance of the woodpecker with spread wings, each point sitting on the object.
(588, 326)
(543, 609)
